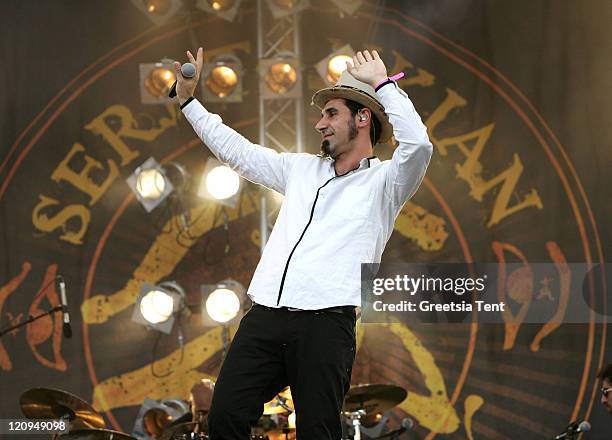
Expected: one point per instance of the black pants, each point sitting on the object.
(311, 351)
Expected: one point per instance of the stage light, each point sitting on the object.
(348, 6)
(280, 78)
(219, 183)
(157, 306)
(222, 305)
(335, 66)
(222, 182)
(157, 6)
(159, 81)
(153, 183)
(331, 67)
(226, 9)
(222, 302)
(158, 11)
(222, 79)
(156, 79)
(221, 5)
(155, 416)
(282, 8)
(149, 184)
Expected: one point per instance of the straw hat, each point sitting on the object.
(348, 87)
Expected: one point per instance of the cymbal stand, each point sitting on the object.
(66, 418)
(355, 417)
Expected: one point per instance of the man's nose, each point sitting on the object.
(320, 125)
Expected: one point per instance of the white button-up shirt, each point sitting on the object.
(328, 225)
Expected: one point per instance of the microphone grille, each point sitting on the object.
(407, 423)
(188, 70)
(584, 426)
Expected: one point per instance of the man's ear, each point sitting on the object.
(364, 115)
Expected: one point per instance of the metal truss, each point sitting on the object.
(281, 119)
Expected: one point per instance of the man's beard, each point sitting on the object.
(326, 150)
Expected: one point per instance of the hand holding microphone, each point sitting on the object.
(187, 77)
(188, 71)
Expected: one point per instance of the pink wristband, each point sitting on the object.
(391, 78)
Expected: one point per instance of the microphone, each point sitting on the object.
(574, 428)
(66, 328)
(407, 423)
(188, 70)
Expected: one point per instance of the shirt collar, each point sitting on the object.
(366, 162)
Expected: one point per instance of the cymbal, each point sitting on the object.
(175, 430)
(51, 403)
(281, 404)
(95, 434)
(373, 398)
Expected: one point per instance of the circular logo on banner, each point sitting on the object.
(500, 188)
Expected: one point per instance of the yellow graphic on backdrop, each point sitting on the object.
(167, 251)
(131, 388)
(472, 404)
(82, 171)
(471, 170)
(435, 411)
(418, 224)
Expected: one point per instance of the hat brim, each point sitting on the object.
(321, 98)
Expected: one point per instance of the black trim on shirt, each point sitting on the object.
(184, 104)
(280, 290)
(380, 86)
(340, 175)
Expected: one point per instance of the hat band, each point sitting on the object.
(360, 91)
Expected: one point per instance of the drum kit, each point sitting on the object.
(363, 407)
(365, 404)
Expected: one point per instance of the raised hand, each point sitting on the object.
(185, 87)
(367, 68)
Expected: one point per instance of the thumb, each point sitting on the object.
(350, 67)
(177, 69)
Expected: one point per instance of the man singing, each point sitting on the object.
(338, 212)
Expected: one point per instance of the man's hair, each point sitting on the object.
(375, 127)
(605, 373)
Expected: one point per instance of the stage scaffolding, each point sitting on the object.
(281, 119)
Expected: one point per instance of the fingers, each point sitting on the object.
(177, 69)
(200, 59)
(349, 67)
(365, 56)
(190, 57)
